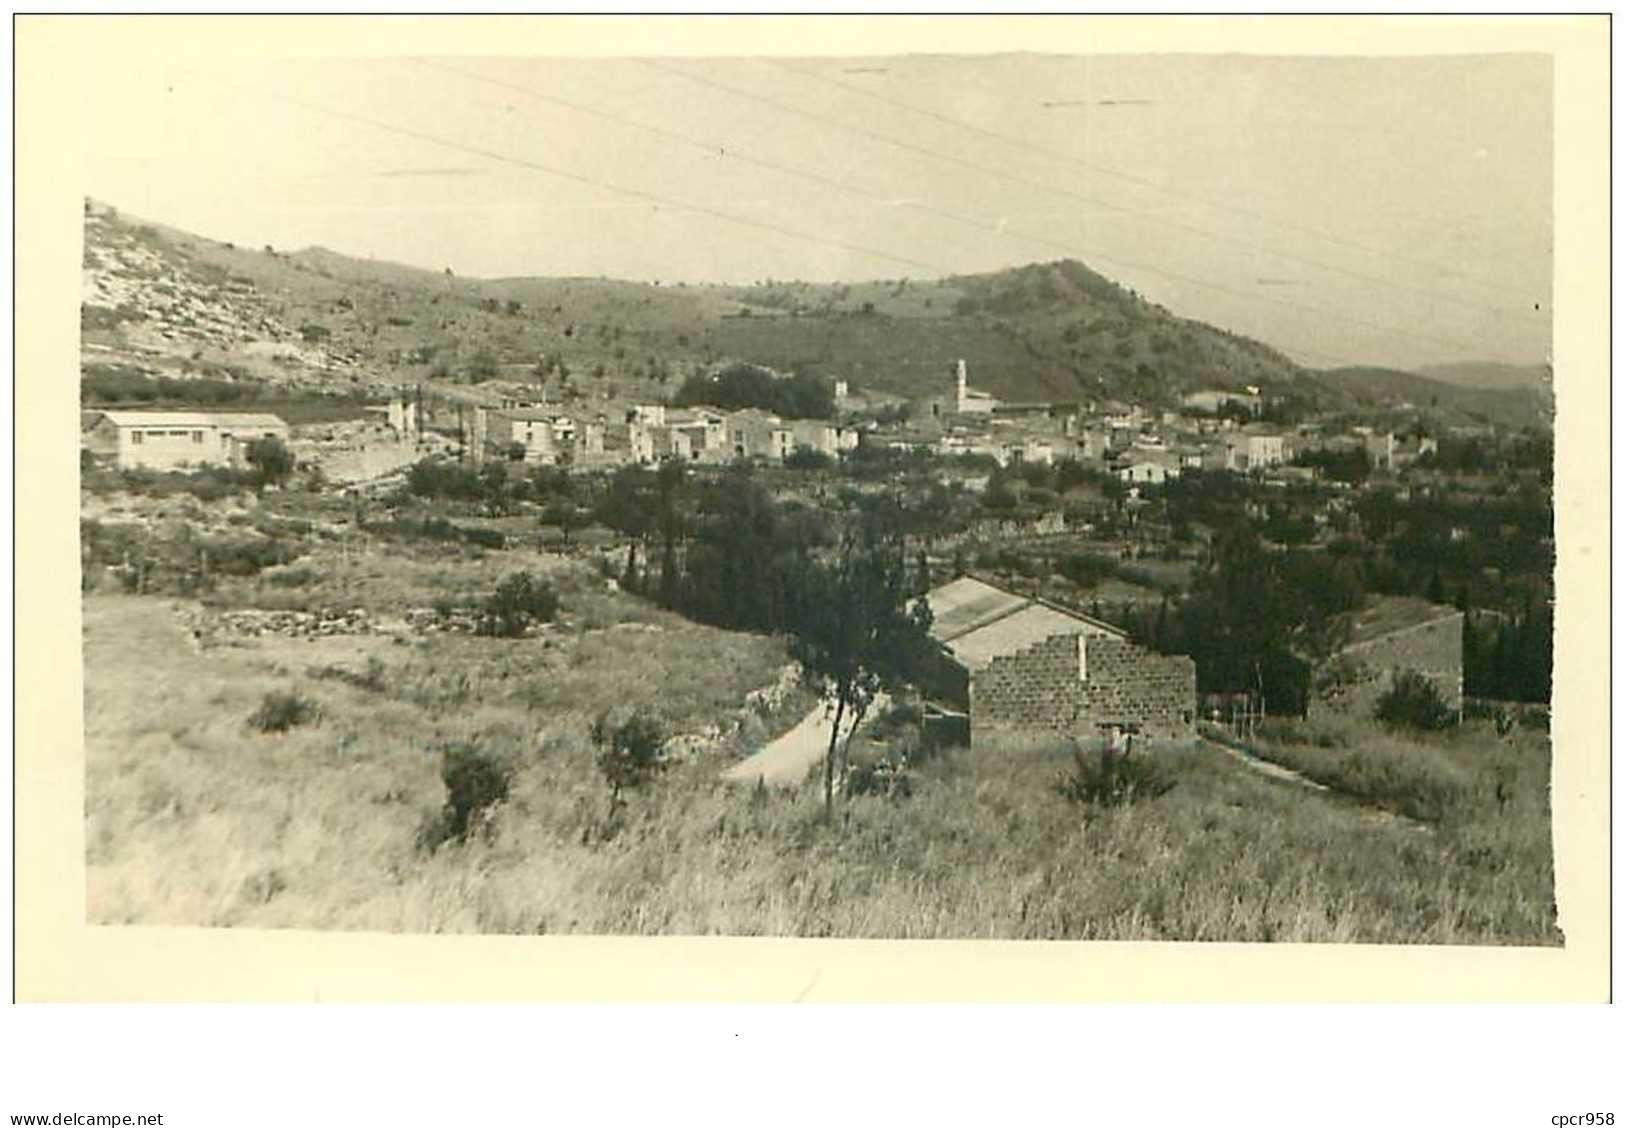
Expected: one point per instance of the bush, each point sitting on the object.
(370, 678)
(518, 600)
(476, 780)
(628, 752)
(1417, 785)
(279, 712)
(1102, 778)
(807, 458)
(292, 577)
(271, 460)
(886, 777)
(1413, 700)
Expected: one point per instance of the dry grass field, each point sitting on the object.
(195, 818)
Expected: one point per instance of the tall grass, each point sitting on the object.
(318, 829)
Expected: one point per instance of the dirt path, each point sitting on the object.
(785, 762)
(1369, 812)
(1264, 767)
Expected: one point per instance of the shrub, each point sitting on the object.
(1418, 785)
(807, 458)
(279, 712)
(1413, 700)
(292, 577)
(886, 777)
(1102, 778)
(370, 678)
(476, 780)
(628, 752)
(518, 600)
(271, 460)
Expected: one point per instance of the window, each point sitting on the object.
(197, 436)
(136, 438)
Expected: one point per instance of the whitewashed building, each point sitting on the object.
(169, 440)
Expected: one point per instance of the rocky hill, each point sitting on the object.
(165, 302)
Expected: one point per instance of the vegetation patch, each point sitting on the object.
(1413, 701)
(1100, 777)
(476, 779)
(279, 712)
(519, 600)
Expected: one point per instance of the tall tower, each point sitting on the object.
(961, 393)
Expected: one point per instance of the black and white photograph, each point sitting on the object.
(900, 496)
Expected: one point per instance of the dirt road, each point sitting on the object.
(785, 762)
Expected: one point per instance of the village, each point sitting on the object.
(583, 567)
(999, 629)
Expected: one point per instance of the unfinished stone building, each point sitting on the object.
(1386, 636)
(1021, 665)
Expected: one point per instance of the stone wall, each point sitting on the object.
(1052, 687)
(1125, 682)
(1353, 680)
(1037, 689)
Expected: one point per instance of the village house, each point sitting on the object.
(1022, 665)
(640, 443)
(168, 440)
(651, 414)
(528, 428)
(817, 435)
(757, 434)
(706, 431)
(672, 442)
(1390, 452)
(1149, 466)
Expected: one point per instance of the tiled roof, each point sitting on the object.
(966, 603)
(978, 622)
(194, 419)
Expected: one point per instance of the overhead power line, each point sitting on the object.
(1452, 344)
(1217, 205)
(551, 170)
(580, 178)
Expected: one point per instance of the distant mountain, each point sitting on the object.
(1391, 389)
(173, 303)
(1489, 374)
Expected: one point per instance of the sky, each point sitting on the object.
(1392, 211)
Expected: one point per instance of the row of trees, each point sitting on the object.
(1260, 621)
(722, 550)
(800, 396)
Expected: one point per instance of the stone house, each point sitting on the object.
(757, 434)
(169, 440)
(1390, 634)
(1023, 665)
(527, 427)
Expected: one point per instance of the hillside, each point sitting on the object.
(1393, 389)
(166, 302)
(1039, 332)
(1491, 376)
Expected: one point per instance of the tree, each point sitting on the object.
(628, 753)
(630, 507)
(563, 515)
(271, 461)
(1241, 622)
(855, 634)
(518, 600)
(670, 480)
(482, 367)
